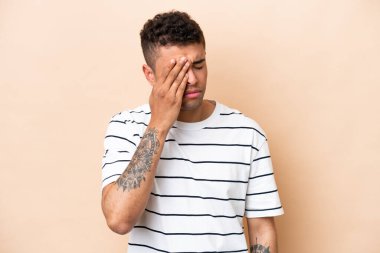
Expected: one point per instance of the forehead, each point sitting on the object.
(193, 52)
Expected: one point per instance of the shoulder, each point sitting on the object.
(236, 118)
(129, 121)
(140, 114)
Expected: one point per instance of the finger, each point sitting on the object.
(174, 72)
(182, 87)
(177, 82)
(165, 72)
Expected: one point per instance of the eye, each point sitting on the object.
(198, 67)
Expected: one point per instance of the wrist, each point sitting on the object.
(161, 129)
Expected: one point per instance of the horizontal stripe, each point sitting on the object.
(135, 122)
(117, 121)
(264, 157)
(241, 127)
(119, 137)
(259, 210)
(119, 151)
(139, 112)
(264, 175)
(212, 144)
(217, 144)
(160, 250)
(117, 161)
(202, 179)
(187, 160)
(193, 196)
(165, 233)
(231, 113)
(195, 215)
(259, 193)
(129, 121)
(111, 176)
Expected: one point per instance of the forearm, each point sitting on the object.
(124, 200)
(262, 235)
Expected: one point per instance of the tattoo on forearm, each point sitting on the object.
(258, 248)
(141, 161)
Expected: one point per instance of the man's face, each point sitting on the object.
(196, 86)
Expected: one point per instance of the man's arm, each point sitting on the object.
(262, 235)
(124, 201)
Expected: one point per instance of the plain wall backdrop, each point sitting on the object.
(307, 71)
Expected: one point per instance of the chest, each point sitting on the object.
(199, 162)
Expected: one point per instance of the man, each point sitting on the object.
(181, 172)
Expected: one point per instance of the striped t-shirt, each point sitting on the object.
(211, 173)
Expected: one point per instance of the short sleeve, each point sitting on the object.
(262, 198)
(120, 143)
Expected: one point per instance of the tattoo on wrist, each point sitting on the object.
(258, 248)
(141, 161)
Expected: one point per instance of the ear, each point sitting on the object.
(149, 74)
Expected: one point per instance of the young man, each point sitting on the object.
(180, 172)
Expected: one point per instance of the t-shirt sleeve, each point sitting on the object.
(120, 143)
(262, 198)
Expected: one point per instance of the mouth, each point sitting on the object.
(192, 94)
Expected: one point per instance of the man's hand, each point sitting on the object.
(166, 97)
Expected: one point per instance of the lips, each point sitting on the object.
(192, 93)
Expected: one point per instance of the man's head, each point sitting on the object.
(172, 36)
(168, 29)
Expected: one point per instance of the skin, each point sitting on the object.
(178, 71)
(192, 109)
(262, 235)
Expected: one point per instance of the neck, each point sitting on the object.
(202, 113)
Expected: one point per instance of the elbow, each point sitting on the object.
(118, 219)
(120, 224)
(119, 227)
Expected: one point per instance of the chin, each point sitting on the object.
(191, 105)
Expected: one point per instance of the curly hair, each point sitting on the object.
(169, 28)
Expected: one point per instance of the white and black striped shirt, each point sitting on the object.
(211, 173)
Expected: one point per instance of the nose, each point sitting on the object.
(192, 78)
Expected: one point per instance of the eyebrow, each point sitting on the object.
(199, 61)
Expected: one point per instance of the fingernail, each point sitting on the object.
(183, 59)
(172, 61)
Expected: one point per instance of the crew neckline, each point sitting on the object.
(199, 124)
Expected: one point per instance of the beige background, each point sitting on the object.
(307, 71)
